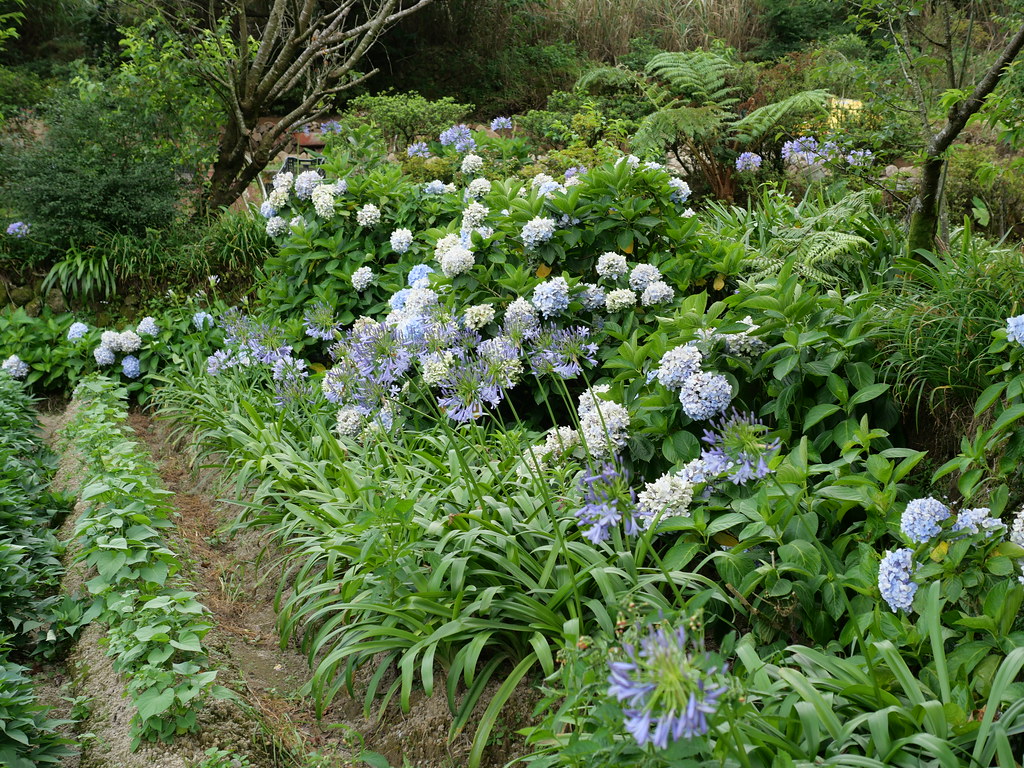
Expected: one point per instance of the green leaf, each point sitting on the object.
(868, 393)
(817, 413)
(154, 701)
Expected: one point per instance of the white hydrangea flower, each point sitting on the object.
(401, 240)
(276, 226)
(642, 276)
(111, 340)
(473, 215)
(657, 292)
(436, 367)
(611, 265)
(604, 428)
(129, 341)
(669, 495)
(351, 420)
(445, 244)
(623, 298)
(323, 201)
(1017, 528)
(476, 317)
(471, 164)
(457, 260)
(283, 181)
(278, 198)
(362, 278)
(419, 300)
(478, 188)
(368, 215)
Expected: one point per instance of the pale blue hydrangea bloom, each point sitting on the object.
(305, 183)
(276, 226)
(704, 395)
(536, 231)
(362, 278)
(680, 190)
(103, 355)
(976, 521)
(401, 239)
(921, 519)
(679, 364)
(15, 366)
(130, 366)
(77, 331)
(267, 210)
(551, 297)
(202, 320)
(894, 581)
(147, 327)
(418, 274)
(1015, 329)
(435, 187)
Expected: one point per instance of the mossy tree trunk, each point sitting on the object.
(924, 216)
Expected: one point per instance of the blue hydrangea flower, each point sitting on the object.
(536, 231)
(748, 161)
(551, 297)
(418, 149)
(501, 124)
(18, 229)
(977, 520)
(668, 688)
(401, 239)
(305, 183)
(201, 320)
(130, 366)
(459, 137)
(1015, 329)
(15, 366)
(418, 274)
(267, 210)
(77, 331)
(921, 519)
(679, 364)
(147, 327)
(704, 395)
(680, 191)
(435, 187)
(104, 355)
(894, 580)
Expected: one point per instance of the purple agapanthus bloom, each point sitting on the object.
(737, 448)
(667, 686)
(466, 388)
(501, 124)
(18, 229)
(459, 137)
(418, 149)
(607, 501)
(748, 161)
(562, 351)
(320, 322)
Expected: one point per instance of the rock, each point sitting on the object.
(34, 307)
(20, 295)
(55, 301)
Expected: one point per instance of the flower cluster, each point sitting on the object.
(537, 231)
(607, 502)
(201, 320)
(458, 137)
(471, 164)
(1015, 329)
(305, 183)
(18, 229)
(894, 579)
(323, 201)
(611, 265)
(15, 367)
(703, 394)
(604, 424)
(668, 495)
(551, 297)
(680, 190)
(922, 519)
(738, 451)
(401, 240)
(362, 278)
(667, 687)
(748, 161)
(478, 188)
(418, 149)
(501, 124)
(368, 215)
(78, 330)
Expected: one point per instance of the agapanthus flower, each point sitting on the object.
(551, 297)
(680, 191)
(501, 124)
(704, 395)
(471, 164)
(737, 448)
(748, 161)
(418, 276)
(666, 689)
(592, 296)
(129, 341)
(500, 357)
(476, 317)
(418, 149)
(536, 231)
(611, 265)
(130, 366)
(458, 137)
(657, 292)
(478, 188)
(679, 364)
(323, 201)
(607, 501)
(563, 351)
(18, 229)
(401, 240)
(1015, 329)
(305, 183)
(276, 226)
(15, 366)
(435, 187)
(104, 355)
(465, 390)
(859, 157)
(642, 276)
(619, 299)
(320, 322)
(330, 126)
(801, 151)
(894, 579)
(290, 385)
(977, 520)
(201, 320)
(77, 331)
(574, 171)
(362, 278)
(922, 517)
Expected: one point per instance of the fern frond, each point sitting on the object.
(763, 119)
(668, 126)
(612, 77)
(693, 75)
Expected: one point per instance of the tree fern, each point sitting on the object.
(763, 119)
(694, 75)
